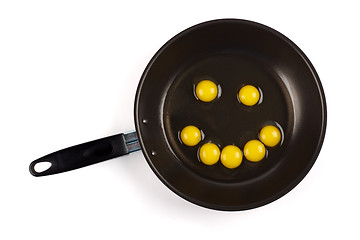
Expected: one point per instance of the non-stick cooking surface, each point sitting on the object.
(231, 53)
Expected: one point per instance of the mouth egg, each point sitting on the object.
(254, 151)
(270, 136)
(190, 135)
(231, 156)
(209, 153)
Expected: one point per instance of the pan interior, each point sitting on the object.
(225, 121)
(231, 53)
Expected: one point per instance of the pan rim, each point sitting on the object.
(291, 185)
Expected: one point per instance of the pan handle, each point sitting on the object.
(87, 153)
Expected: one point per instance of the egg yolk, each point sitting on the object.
(249, 95)
(209, 153)
(206, 90)
(190, 135)
(270, 136)
(231, 156)
(254, 150)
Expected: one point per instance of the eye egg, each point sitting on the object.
(254, 151)
(270, 136)
(249, 95)
(209, 153)
(231, 156)
(206, 91)
(190, 135)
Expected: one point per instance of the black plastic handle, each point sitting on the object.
(87, 153)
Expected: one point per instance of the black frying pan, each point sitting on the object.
(231, 53)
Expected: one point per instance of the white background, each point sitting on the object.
(68, 74)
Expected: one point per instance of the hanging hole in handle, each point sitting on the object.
(42, 166)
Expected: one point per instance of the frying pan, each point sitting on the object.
(231, 53)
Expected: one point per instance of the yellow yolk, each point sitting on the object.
(254, 150)
(209, 153)
(190, 135)
(231, 156)
(270, 136)
(206, 90)
(249, 95)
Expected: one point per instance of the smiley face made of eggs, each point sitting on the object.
(230, 156)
